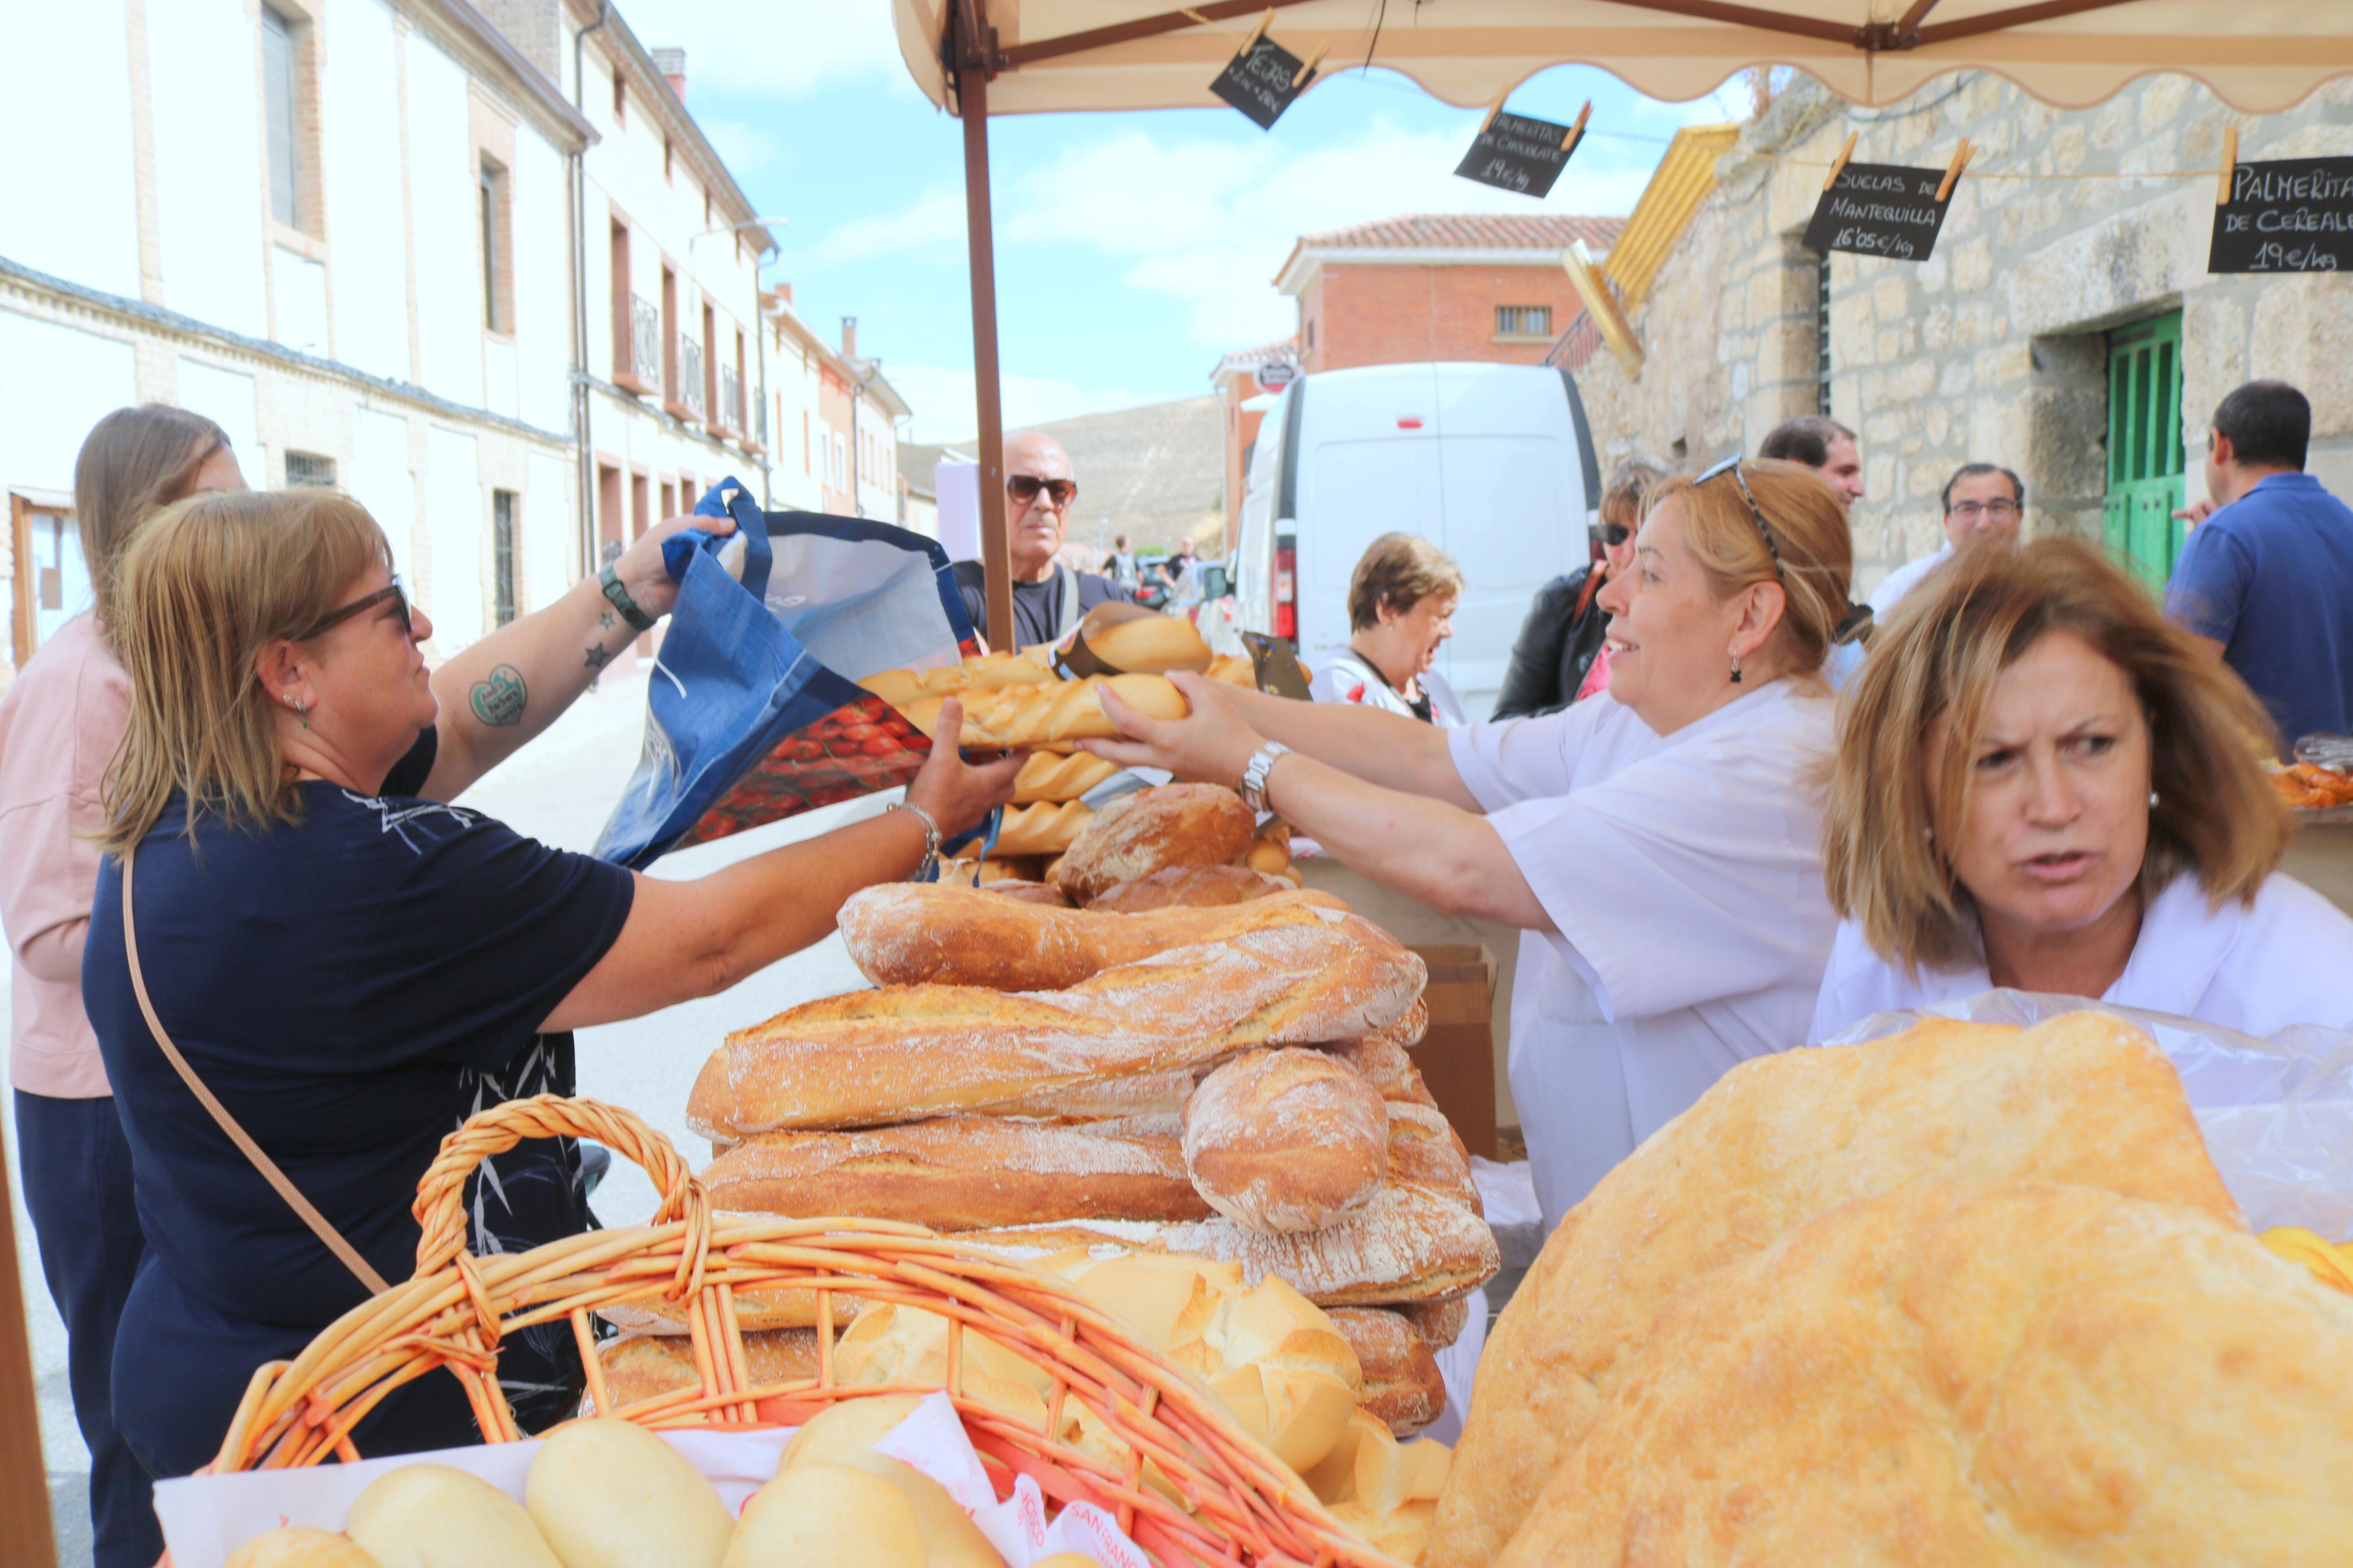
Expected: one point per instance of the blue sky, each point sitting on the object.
(1132, 248)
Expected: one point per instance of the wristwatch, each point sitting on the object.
(610, 581)
(1261, 762)
(929, 869)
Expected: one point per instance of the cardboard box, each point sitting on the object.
(1457, 1057)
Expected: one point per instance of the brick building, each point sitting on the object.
(2066, 328)
(1244, 384)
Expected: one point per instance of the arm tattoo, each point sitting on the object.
(595, 657)
(605, 619)
(500, 697)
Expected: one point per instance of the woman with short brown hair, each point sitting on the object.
(2044, 784)
(1401, 600)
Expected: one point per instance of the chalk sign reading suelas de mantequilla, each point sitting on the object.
(2291, 215)
(1517, 153)
(1262, 81)
(1880, 209)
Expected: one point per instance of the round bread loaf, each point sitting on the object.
(1402, 1387)
(1175, 825)
(299, 1546)
(1191, 887)
(1285, 1140)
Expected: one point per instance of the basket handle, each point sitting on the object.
(440, 1206)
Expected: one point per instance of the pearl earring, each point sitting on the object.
(2152, 800)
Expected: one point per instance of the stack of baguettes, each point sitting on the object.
(1226, 1079)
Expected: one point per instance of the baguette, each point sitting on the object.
(1440, 1323)
(1039, 829)
(646, 1366)
(1051, 776)
(1176, 824)
(983, 672)
(1148, 644)
(1045, 893)
(1403, 1389)
(1195, 886)
(1013, 718)
(909, 933)
(912, 1051)
(1233, 670)
(1145, 1094)
(963, 1172)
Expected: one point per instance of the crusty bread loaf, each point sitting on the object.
(1041, 830)
(1440, 1323)
(639, 1367)
(983, 673)
(959, 1172)
(1176, 824)
(995, 869)
(1382, 1490)
(1408, 1245)
(1403, 1389)
(1387, 1067)
(1232, 669)
(1041, 893)
(1149, 645)
(1053, 776)
(1425, 1151)
(759, 1307)
(1012, 718)
(1197, 887)
(2081, 1099)
(2008, 1375)
(909, 1052)
(914, 933)
(1278, 1363)
(1410, 1026)
(1147, 1094)
(1285, 1140)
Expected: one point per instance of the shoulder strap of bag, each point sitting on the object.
(238, 1135)
(1068, 621)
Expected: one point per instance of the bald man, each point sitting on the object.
(1049, 596)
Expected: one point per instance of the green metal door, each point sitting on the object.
(2145, 485)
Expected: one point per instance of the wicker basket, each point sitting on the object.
(1247, 1507)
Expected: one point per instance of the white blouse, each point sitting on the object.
(1343, 675)
(1684, 873)
(2288, 958)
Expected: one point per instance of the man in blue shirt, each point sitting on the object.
(2266, 580)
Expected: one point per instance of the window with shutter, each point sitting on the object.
(2145, 485)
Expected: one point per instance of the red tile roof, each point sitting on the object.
(1470, 231)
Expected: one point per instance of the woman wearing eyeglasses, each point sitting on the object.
(352, 967)
(1660, 850)
(1561, 655)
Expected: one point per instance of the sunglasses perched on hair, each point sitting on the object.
(1024, 487)
(1732, 465)
(361, 605)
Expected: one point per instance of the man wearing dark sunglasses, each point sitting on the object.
(1049, 596)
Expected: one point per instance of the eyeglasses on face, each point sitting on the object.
(1024, 487)
(1991, 510)
(1732, 465)
(336, 617)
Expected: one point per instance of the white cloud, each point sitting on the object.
(935, 218)
(786, 49)
(943, 397)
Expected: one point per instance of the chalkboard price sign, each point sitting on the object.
(2295, 214)
(1880, 209)
(1516, 152)
(1259, 81)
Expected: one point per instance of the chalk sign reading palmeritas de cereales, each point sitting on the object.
(2290, 215)
(1262, 81)
(1880, 209)
(1517, 153)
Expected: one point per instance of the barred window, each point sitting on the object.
(1523, 320)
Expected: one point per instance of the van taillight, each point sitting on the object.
(1286, 594)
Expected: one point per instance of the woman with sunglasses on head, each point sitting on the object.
(1049, 596)
(59, 724)
(351, 968)
(1658, 847)
(1561, 655)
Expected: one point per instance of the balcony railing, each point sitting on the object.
(730, 399)
(645, 341)
(690, 376)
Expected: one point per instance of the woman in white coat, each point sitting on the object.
(2044, 784)
(1401, 600)
(1660, 849)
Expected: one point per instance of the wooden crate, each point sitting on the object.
(1457, 1057)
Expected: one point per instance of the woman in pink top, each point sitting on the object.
(59, 724)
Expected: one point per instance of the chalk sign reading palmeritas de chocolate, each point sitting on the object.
(1880, 209)
(1516, 152)
(1257, 81)
(2291, 215)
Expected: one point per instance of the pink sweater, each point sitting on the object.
(59, 723)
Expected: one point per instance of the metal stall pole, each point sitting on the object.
(975, 54)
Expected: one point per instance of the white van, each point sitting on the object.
(1492, 463)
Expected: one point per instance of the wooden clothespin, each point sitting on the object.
(1838, 164)
(1952, 170)
(1494, 110)
(1577, 131)
(2230, 166)
(1259, 31)
(1308, 69)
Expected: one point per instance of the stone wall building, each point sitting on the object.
(2067, 328)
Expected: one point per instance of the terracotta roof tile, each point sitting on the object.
(1469, 231)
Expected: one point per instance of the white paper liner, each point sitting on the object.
(206, 1518)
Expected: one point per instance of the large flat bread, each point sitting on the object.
(907, 1052)
(2011, 1376)
(2083, 1099)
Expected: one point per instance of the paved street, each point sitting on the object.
(558, 790)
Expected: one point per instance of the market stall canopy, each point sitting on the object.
(2258, 56)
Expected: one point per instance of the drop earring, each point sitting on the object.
(2152, 800)
(299, 711)
(1736, 670)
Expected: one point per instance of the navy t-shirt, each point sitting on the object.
(2270, 577)
(352, 987)
(1037, 606)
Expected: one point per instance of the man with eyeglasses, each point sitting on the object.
(1049, 596)
(1982, 501)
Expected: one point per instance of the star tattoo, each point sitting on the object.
(605, 619)
(595, 657)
